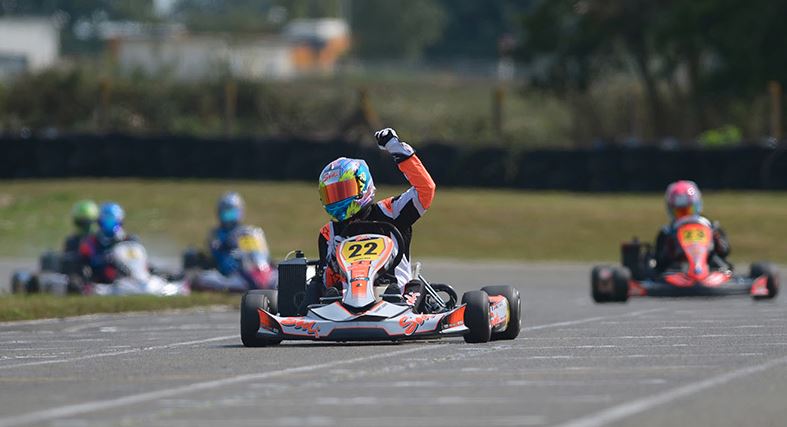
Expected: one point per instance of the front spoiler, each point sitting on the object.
(659, 288)
(404, 326)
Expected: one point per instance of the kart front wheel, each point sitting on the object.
(477, 317)
(759, 269)
(595, 284)
(250, 318)
(511, 294)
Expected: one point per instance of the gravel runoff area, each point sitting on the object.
(651, 362)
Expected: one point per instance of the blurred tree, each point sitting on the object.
(395, 29)
(709, 52)
(235, 16)
(571, 43)
(473, 29)
(239, 16)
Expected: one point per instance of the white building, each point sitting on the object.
(195, 57)
(28, 44)
(304, 47)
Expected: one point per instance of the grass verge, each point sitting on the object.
(462, 223)
(29, 307)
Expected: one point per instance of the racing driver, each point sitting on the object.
(684, 199)
(96, 249)
(347, 194)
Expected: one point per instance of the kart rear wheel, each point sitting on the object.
(758, 269)
(250, 319)
(514, 311)
(620, 282)
(477, 317)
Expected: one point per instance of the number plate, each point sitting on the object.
(363, 250)
(693, 235)
(249, 243)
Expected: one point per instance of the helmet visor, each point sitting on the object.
(229, 215)
(339, 191)
(681, 211)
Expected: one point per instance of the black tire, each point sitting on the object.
(477, 317)
(191, 259)
(50, 262)
(620, 281)
(249, 317)
(595, 280)
(758, 269)
(515, 311)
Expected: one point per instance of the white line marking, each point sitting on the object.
(71, 410)
(617, 413)
(99, 405)
(590, 319)
(119, 353)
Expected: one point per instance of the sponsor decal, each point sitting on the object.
(411, 324)
(457, 318)
(760, 287)
(310, 327)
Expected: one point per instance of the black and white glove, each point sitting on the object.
(388, 140)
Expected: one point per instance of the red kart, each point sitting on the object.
(700, 274)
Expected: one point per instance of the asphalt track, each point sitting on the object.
(698, 362)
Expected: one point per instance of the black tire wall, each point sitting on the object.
(610, 169)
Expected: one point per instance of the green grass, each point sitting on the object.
(462, 223)
(28, 307)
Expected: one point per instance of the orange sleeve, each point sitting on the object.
(419, 177)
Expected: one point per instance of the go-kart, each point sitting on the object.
(701, 273)
(59, 273)
(363, 311)
(135, 277)
(256, 271)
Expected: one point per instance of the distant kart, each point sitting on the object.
(363, 312)
(700, 275)
(256, 270)
(59, 273)
(135, 277)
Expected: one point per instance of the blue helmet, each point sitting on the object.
(110, 219)
(230, 209)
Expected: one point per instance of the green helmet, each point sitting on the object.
(84, 214)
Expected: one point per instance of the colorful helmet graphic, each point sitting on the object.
(230, 209)
(683, 198)
(346, 187)
(110, 219)
(84, 214)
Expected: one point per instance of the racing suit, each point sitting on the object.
(222, 241)
(72, 243)
(95, 251)
(402, 211)
(669, 251)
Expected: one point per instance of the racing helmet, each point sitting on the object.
(229, 209)
(84, 214)
(346, 187)
(683, 198)
(110, 219)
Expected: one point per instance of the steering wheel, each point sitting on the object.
(374, 227)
